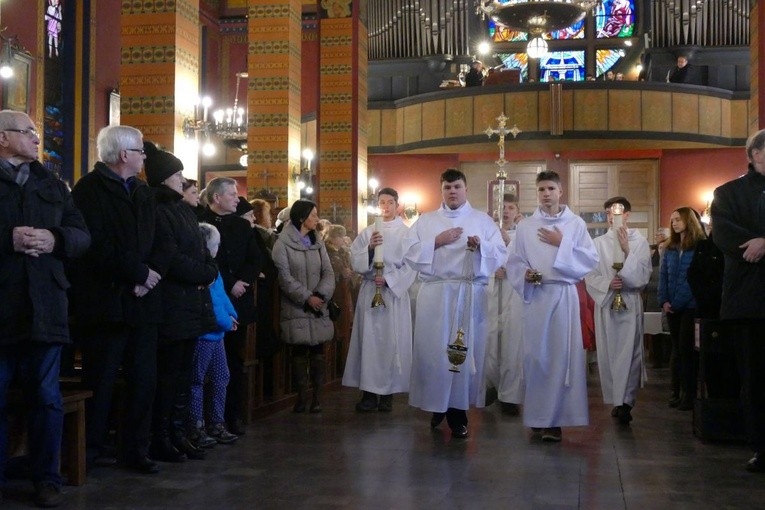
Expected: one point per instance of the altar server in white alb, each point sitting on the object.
(554, 243)
(452, 296)
(380, 355)
(619, 333)
(504, 344)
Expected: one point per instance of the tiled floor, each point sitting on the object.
(343, 460)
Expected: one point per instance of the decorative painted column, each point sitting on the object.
(273, 95)
(757, 82)
(342, 119)
(159, 73)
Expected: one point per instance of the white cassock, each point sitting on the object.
(380, 354)
(554, 359)
(619, 335)
(503, 368)
(441, 302)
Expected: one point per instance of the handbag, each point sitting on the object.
(334, 310)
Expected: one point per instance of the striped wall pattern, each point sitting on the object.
(159, 71)
(755, 47)
(342, 105)
(273, 95)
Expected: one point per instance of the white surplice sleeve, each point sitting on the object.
(576, 254)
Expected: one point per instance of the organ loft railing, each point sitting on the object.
(700, 23)
(419, 28)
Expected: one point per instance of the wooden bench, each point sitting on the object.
(73, 437)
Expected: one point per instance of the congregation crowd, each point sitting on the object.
(157, 283)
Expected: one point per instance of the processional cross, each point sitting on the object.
(501, 130)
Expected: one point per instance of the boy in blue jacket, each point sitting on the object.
(210, 361)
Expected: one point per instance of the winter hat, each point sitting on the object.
(243, 207)
(159, 164)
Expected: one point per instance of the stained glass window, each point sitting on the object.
(615, 18)
(516, 61)
(605, 60)
(498, 33)
(562, 65)
(575, 31)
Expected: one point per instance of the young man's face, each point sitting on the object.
(549, 194)
(454, 193)
(509, 212)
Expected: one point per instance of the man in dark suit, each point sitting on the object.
(41, 229)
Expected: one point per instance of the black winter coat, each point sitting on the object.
(124, 247)
(705, 276)
(238, 258)
(187, 270)
(33, 301)
(738, 215)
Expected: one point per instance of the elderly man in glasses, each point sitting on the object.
(115, 296)
(41, 229)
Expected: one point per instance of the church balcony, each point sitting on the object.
(580, 116)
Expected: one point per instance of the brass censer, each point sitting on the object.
(457, 351)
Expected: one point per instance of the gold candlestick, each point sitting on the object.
(618, 305)
(377, 300)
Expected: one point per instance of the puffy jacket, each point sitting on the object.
(673, 280)
(223, 309)
(303, 272)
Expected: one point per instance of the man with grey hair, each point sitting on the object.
(738, 216)
(116, 304)
(239, 260)
(41, 229)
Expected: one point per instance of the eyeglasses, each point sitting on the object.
(30, 131)
(139, 151)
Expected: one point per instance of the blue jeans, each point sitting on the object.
(37, 365)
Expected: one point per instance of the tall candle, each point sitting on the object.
(378, 248)
(617, 213)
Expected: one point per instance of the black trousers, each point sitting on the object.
(235, 342)
(684, 359)
(105, 349)
(175, 360)
(750, 354)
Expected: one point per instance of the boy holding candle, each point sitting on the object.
(551, 253)
(619, 333)
(380, 353)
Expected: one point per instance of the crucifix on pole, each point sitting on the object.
(502, 131)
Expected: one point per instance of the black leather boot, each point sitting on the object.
(317, 378)
(183, 445)
(300, 380)
(162, 449)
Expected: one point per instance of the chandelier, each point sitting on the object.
(230, 124)
(536, 17)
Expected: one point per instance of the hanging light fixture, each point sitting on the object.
(536, 17)
(537, 47)
(230, 124)
(6, 60)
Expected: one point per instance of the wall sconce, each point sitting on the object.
(198, 127)
(6, 69)
(706, 216)
(304, 177)
(370, 200)
(409, 204)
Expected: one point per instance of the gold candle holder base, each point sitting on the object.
(378, 300)
(457, 351)
(618, 304)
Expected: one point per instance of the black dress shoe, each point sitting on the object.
(756, 464)
(510, 409)
(143, 465)
(104, 461)
(436, 420)
(624, 414)
(460, 432)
